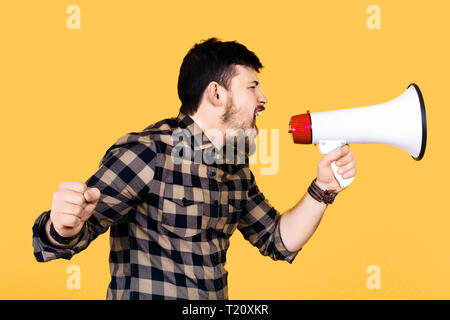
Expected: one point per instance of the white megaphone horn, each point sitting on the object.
(400, 122)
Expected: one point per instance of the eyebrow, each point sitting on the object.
(256, 82)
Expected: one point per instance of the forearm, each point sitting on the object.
(299, 224)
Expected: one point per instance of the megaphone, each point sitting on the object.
(400, 122)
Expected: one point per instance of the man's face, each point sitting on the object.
(245, 100)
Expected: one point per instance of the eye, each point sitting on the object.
(253, 87)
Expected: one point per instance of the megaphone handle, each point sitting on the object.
(343, 182)
(326, 146)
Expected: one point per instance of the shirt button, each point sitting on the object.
(213, 173)
(216, 203)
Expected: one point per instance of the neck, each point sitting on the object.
(210, 123)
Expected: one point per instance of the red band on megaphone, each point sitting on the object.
(301, 128)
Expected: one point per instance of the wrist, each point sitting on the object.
(62, 240)
(321, 192)
(327, 186)
(54, 238)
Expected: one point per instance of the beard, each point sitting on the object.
(240, 133)
(231, 119)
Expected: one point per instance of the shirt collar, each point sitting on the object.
(193, 133)
(199, 141)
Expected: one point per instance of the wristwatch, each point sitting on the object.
(59, 238)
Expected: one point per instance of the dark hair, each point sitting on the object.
(211, 60)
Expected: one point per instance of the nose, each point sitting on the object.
(262, 99)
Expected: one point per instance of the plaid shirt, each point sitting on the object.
(170, 221)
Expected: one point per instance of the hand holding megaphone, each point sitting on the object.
(400, 122)
(337, 164)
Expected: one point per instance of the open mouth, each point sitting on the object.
(259, 110)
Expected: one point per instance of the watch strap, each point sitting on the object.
(59, 238)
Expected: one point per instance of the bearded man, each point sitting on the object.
(173, 194)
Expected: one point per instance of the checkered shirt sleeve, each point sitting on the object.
(123, 178)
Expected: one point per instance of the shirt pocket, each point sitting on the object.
(184, 216)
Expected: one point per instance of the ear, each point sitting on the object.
(215, 94)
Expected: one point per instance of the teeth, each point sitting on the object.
(258, 113)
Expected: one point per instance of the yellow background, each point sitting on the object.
(67, 95)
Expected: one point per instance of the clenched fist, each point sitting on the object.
(73, 203)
